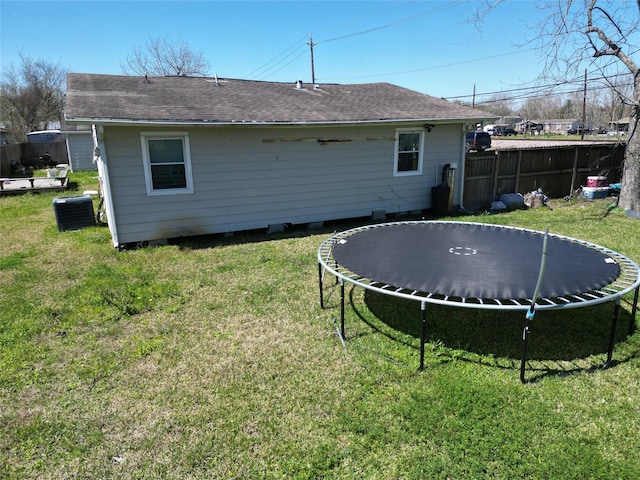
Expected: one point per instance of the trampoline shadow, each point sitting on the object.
(561, 341)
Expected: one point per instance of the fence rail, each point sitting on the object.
(558, 171)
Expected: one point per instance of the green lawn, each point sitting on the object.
(212, 359)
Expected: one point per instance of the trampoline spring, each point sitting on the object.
(627, 279)
(592, 296)
(608, 290)
(579, 299)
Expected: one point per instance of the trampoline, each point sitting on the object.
(477, 265)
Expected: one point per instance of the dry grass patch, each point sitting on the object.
(212, 359)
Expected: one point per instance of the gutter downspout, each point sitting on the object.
(105, 185)
(462, 161)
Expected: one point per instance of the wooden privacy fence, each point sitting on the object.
(558, 171)
(29, 154)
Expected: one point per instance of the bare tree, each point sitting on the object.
(159, 57)
(529, 112)
(498, 105)
(600, 35)
(32, 95)
(615, 100)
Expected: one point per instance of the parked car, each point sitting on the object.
(578, 131)
(478, 141)
(504, 131)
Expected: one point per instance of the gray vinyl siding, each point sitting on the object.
(248, 177)
(80, 151)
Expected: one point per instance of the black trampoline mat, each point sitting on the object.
(473, 260)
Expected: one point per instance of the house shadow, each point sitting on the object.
(560, 341)
(288, 231)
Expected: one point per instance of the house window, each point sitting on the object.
(408, 158)
(167, 163)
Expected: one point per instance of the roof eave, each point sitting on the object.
(160, 122)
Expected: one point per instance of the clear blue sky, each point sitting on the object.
(430, 46)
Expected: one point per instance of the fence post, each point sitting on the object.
(518, 171)
(574, 174)
(496, 170)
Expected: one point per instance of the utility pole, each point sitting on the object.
(313, 71)
(584, 104)
(473, 98)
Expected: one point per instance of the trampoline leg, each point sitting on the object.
(342, 308)
(612, 336)
(423, 332)
(525, 338)
(634, 309)
(320, 285)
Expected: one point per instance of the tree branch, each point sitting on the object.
(612, 49)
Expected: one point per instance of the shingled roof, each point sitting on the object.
(175, 100)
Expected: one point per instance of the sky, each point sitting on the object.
(433, 47)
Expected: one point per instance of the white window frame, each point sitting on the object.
(418, 171)
(186, 154)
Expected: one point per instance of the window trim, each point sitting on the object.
(407, 173)
(186, 152)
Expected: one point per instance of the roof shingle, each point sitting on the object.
(117, 98)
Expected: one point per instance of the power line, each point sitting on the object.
(266, 70)
(395, 22)
(540, 90)
(298, 49)
(462, 62)
(303, 52)
(277, 59)
(358, 19)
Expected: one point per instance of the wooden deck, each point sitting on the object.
(17, 186)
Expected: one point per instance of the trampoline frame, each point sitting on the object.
(627, 281)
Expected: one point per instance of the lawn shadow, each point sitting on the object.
(560, 341)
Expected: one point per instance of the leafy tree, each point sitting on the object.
(161, 57)
(32, 95)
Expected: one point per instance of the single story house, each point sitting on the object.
(559, 126)
(182, 156)
(529, 127)
(621, 125)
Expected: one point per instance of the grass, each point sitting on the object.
(212, 359)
